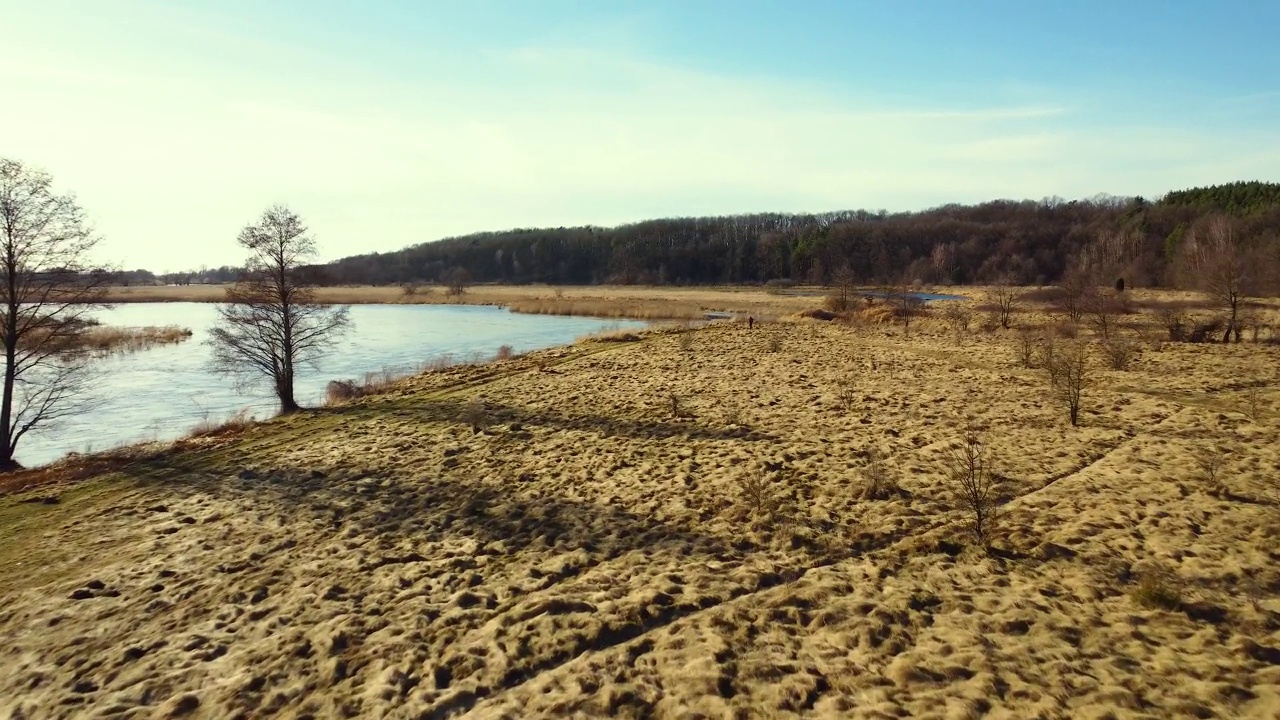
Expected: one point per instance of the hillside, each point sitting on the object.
(1023, 242)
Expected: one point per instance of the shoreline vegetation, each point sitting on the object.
(635, 302)
(823, 514)
(107, 339)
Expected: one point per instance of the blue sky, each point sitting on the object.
(386, 124)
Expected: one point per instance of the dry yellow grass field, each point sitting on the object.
(679, 527)
(622, 301)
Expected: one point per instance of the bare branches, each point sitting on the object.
(1224, 269)
(1003, 299)
(47, 290)
(271, 323)
(975, 484)
(1068, 375)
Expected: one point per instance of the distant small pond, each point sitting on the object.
(161, 393)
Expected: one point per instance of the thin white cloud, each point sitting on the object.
(172, 158)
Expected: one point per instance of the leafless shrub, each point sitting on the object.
(409, 289)
(1103, 308)
(685, 340)
(733, 414)
(1209, 461)
(755, 489)
(1252, 401)
(1027, 346)
(1119, 352)
(1157, 588)
(879, 482)
(1174, 322)
(240, 421)
(1003, 299)
(506, 352)
(341, 391)
(1046, 350)
(455, 280)
(475, 414)
(846, 395)
(676, 404)
(1068, 376)
(976, 485)
(957, 317)
(775, 344)
(1204, 330)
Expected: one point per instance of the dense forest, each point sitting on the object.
(1023, 242)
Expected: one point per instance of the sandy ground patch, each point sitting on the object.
(589, 545)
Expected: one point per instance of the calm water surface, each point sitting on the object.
(159, 394)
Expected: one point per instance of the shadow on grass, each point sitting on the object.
(452, 411)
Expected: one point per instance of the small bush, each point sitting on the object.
(685, 341)
(878, 481)
(1027, 348)
(957, 317)
(775, 344)
(476, 415)
(1158, 588)
(1119, 352)
(676, 404)
(1209, 461)
(1174, 322)
(506, 352)
(240, 421)
(1252, 402)
(756, 492)
(341, 391)
(1204, 330)
(846, 395)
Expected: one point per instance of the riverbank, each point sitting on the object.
(607, 301)
(721, 520)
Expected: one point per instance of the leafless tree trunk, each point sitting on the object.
(271, 323)
(48, 291)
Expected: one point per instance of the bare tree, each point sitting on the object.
(1103, 307)
(1077, 288)
(456, 280)
(841, 298)
(1003, 299)
(271, 323)
(976, 485)
(49, 290)
(1068, 375)
(1223, 269)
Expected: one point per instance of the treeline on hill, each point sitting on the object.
(1019, 242)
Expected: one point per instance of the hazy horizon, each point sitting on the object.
(389, 125)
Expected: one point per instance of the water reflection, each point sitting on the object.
(160, 393)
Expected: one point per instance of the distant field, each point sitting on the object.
(642, 302)
(718, 522)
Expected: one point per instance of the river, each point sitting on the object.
(162, 392)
